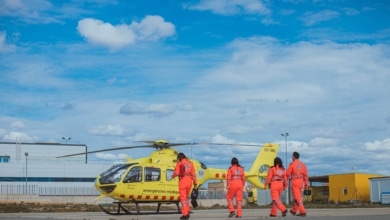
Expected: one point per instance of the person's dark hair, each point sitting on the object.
(278, 161)
(180, 156)
(235, 162)
(296, 155)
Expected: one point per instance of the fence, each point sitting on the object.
(47, 191)
(84, 191)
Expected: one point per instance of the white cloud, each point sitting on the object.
(351, 11)
(18, 136)
(111, 80)
(379, 146)
(111, 156)
(241, 129)
(30, 68)
(112, 130)
(323, 142)
(157, 110)
(17, 124)
(232, 7)
(4, 47)
(310, 18)
(222, 139)
(187, 107)
(151, 28)
(2, 131)
(105, 34)
(30, 11)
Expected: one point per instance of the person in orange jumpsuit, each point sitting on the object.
(297, 172)
(277, 180)
(186, 172)
(235, 183)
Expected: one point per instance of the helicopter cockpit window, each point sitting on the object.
(152, 174)
(169, 174)
(114, 174)
(134, 175)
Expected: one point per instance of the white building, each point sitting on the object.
(33, 168)
(380, 190)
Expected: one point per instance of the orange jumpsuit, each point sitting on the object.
(235, 183)
(185, 171)
(278, 180)
(299, 178)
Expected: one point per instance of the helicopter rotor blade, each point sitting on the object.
(159, 144)
(108, 149)
(250, 145)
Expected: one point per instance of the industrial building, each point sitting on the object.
(33, 168)
(350, 187)
(347, 187)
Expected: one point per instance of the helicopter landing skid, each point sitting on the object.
(123, 211)
(120, 209)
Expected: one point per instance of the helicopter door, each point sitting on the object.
(134, 175)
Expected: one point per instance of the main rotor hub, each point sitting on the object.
(161, 144)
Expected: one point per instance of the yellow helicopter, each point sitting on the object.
(148, 179)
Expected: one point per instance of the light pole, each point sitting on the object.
(86, 154)
(66, 139)
(288, 185)
(26, 154)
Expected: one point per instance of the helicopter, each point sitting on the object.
(148, 179)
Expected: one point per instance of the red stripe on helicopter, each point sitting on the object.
(122, 196)
(224, 175)
(155, 197)
(164, 198)
(171, 198)
(217, 175)
(139, 197)
(147, 197)
(131, 196)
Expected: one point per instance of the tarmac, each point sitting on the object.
(382, 213)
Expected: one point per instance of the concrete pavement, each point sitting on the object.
(316, 214)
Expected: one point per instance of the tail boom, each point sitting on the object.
(264, 160)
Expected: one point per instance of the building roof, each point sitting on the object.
(381, 177)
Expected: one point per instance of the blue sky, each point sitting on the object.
(109, 73)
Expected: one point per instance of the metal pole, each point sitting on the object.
(26, 154)
(288, 185)
(285, 142)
